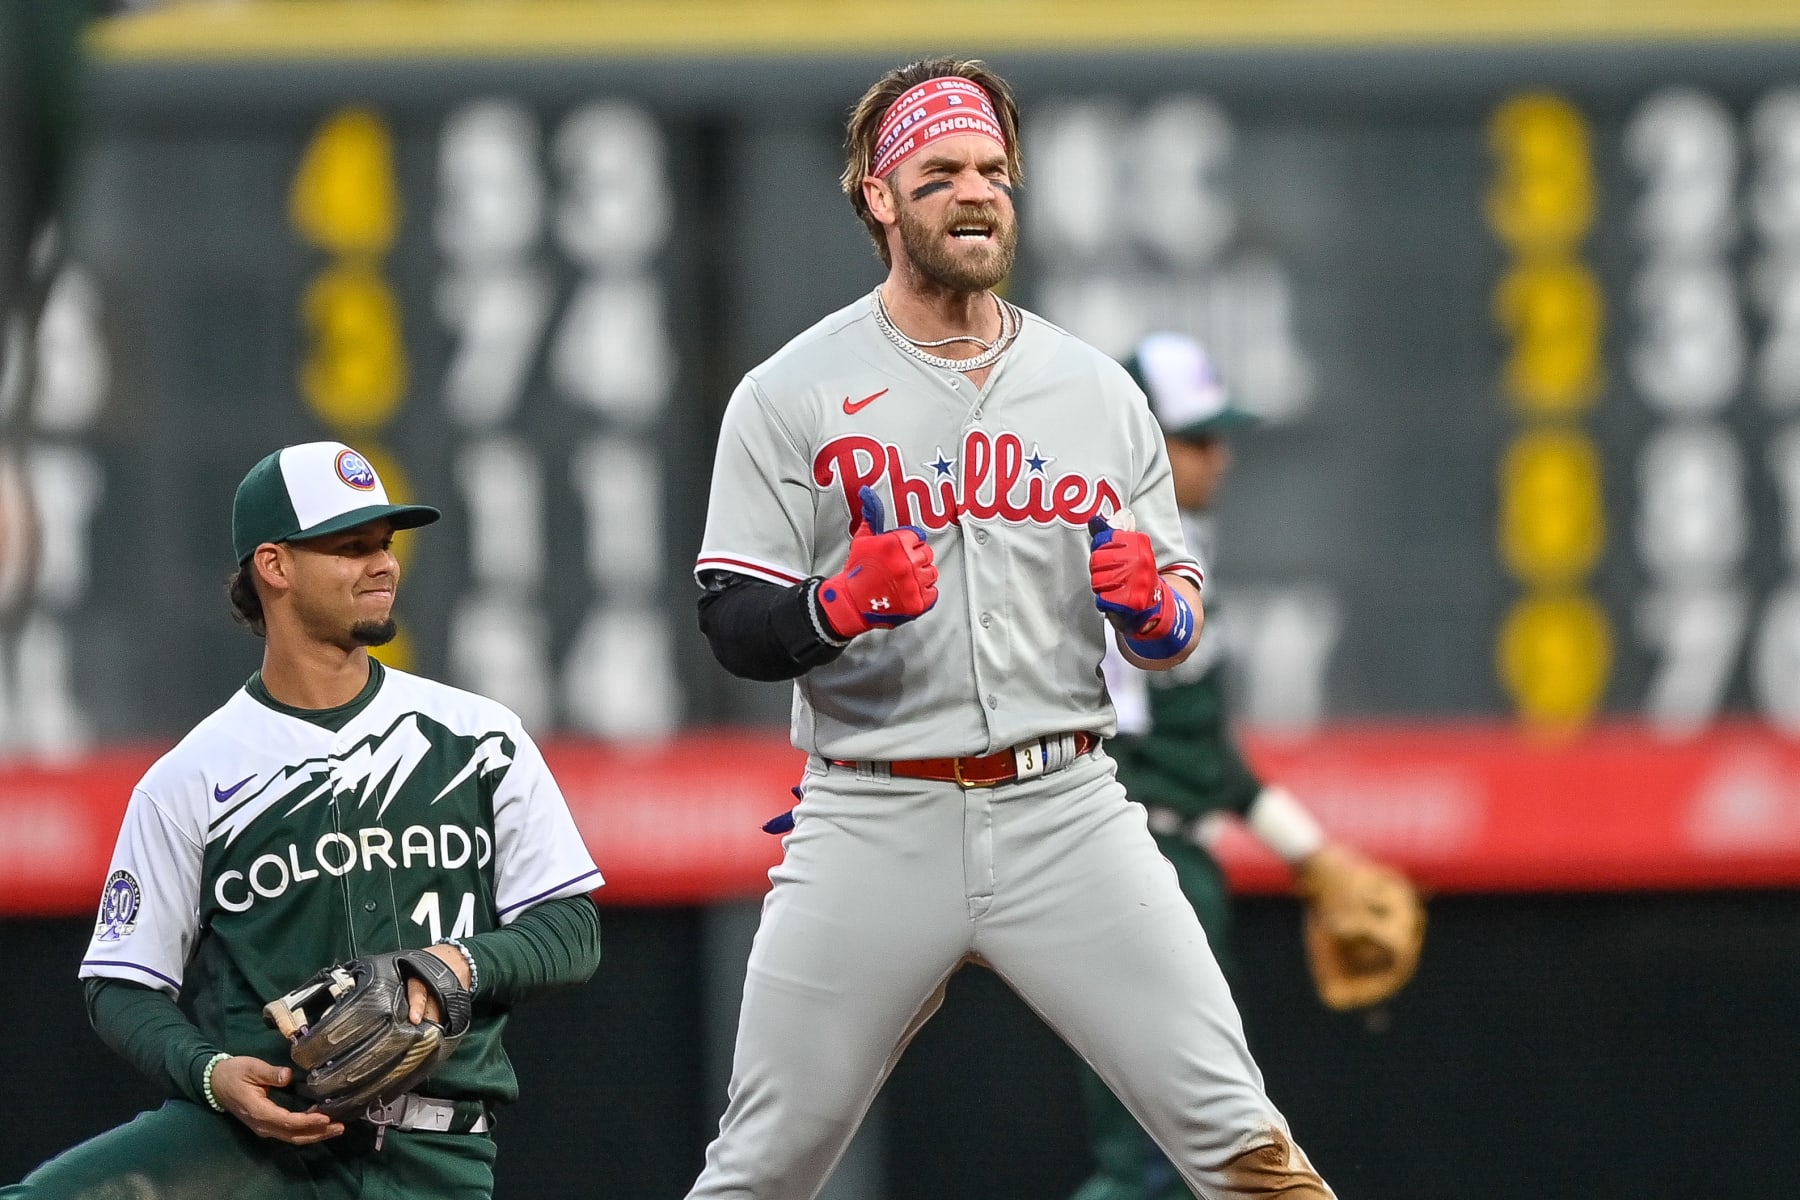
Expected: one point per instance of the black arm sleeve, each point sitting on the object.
(760, 630)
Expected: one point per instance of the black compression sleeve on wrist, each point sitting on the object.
(760, 630)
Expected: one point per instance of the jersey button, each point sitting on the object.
(981, 536)
(987, 620)
(993, 701)
(369, 906)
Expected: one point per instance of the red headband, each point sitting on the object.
(936, 109)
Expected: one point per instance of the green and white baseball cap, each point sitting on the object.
(1185, 391)
(311, 490)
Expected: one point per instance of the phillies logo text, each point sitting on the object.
(991, 477)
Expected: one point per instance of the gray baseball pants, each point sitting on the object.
(889, 885)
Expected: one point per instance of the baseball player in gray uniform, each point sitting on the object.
(926, 510)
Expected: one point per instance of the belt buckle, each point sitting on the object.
(391, 1113)
(970, 784)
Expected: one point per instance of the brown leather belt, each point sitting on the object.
(979, 771)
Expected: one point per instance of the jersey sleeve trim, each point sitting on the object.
(130, 966)
(555, 892)
(1189, 572)
(755, 568)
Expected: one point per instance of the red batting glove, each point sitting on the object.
(889, 579)
(1127, 585)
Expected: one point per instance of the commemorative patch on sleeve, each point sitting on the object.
(119, 904)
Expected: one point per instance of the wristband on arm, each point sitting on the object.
(1152, 616)
(1283, 824)
(1168, 632)
(206, 1086)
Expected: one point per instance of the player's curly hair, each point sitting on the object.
(246, 603)
(865, 119)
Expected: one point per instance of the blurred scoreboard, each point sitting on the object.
(1523, 323)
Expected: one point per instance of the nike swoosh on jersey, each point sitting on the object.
(223, 794)
(851, 409)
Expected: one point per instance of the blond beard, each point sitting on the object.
(926, 251)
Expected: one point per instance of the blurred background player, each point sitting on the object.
(1177, 757)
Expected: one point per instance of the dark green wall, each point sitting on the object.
(1606, 1048)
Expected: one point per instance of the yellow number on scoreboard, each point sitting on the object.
(354, 373)
(1542, 198)
(1552, 521)
(345, 198)
(1555, 654)
(1552, 310)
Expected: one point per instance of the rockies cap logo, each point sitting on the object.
(311, 490)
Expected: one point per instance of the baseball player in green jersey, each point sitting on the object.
(1175, 750)
(332, 808)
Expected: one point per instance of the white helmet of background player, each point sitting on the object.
(1185, 391)
(1194, 409)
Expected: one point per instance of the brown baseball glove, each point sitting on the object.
(1364, 927)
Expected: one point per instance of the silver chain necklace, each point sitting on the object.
(1010, 323)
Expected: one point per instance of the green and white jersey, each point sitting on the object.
(1175, 749)
(272, 842)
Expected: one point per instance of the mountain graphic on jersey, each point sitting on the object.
(375, 770)
(413, 803)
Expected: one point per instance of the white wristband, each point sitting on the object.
(474, 971)
(1284, 825)
(206, 1087)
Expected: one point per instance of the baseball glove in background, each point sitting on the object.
(350, 1034)
(1364, 927)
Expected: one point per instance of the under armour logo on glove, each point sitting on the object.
(889, 578)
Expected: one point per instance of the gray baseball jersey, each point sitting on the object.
(887, 884)
(1001, 480)
(270, 843)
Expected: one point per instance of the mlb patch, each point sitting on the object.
(119, 904)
